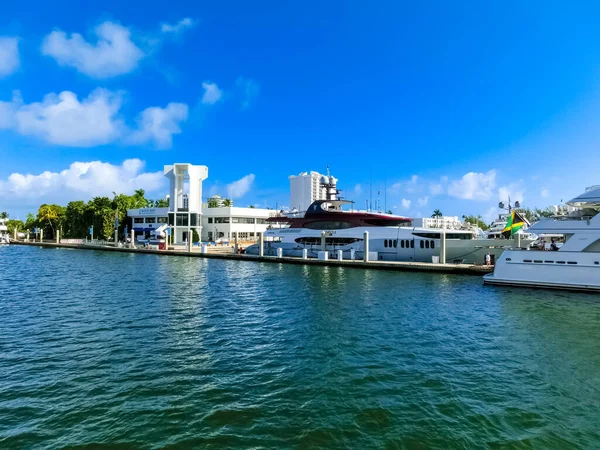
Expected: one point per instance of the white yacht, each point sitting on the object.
(326, 226)
(574, 265)
(496, 229)
(3, 232)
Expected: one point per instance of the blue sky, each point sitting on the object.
(451, 105)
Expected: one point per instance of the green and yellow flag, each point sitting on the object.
(514, 224)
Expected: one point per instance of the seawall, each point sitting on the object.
(458, 269)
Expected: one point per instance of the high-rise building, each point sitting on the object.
(305, 188)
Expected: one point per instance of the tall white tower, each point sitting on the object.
(305, 189)
(185, 214)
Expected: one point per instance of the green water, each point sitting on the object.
(142, 351)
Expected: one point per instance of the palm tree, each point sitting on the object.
(3, 215)
(227, 202)
(437, 213)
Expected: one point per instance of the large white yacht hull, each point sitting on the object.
(547, 269)
(469, 251)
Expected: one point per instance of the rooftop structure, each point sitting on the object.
(306, 188)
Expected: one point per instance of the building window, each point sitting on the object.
(138, 220)
(210, 220)
(162, 220)
(261, 221)
(221, 219)
(150, 219)
(182, 220)
(193, 220)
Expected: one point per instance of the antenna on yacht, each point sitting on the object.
(370, 205)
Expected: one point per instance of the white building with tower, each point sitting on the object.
(305, 188)
(185, 199)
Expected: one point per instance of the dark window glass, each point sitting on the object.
(261, 221)
(162, 220)
(402, 243)
(388, 222)
(150, 219)
(171, 218)
(182, 220)
(412, 244)
(385, 242)
(138, 220)
(193, 220)
(328, 241)
(426, 244)
(328, 225)
(210, 220)
(432, 244)
(395, 243)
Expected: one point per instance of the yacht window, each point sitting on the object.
(596, 262)
(560, 262)
(328, 225)
(526, 260)
(385, 242)
(509, 259)
(422, 244)
(432, 244)
(402, 244)
(426, 244)
(538, 261)
(549, 262)
(571, 262)
(412, 244)
(395, 243)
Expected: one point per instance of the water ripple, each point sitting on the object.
(101, 350)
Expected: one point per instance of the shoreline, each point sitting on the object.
(401, 266)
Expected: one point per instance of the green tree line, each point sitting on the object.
(75, 219)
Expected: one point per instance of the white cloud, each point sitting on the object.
(436, 189)
(240, 187)
(422, 201)
(212, 93)
(414, 179)
(545, 193)
(114, 53)
(65, 120)
(158, 125)
(405, 203)
(512, 191)
(358, 189)
(180, 26)
(9, 55)
(490, 215)
(81, 180)
(249, 89)
(474, 186)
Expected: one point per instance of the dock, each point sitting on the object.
(402, 266)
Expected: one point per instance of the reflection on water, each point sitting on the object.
(156, 351)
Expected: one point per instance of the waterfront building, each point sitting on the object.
(185, 216)
(223, 222)
(306, 188)
(146, 222)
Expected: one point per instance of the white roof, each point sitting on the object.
(589, 198)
